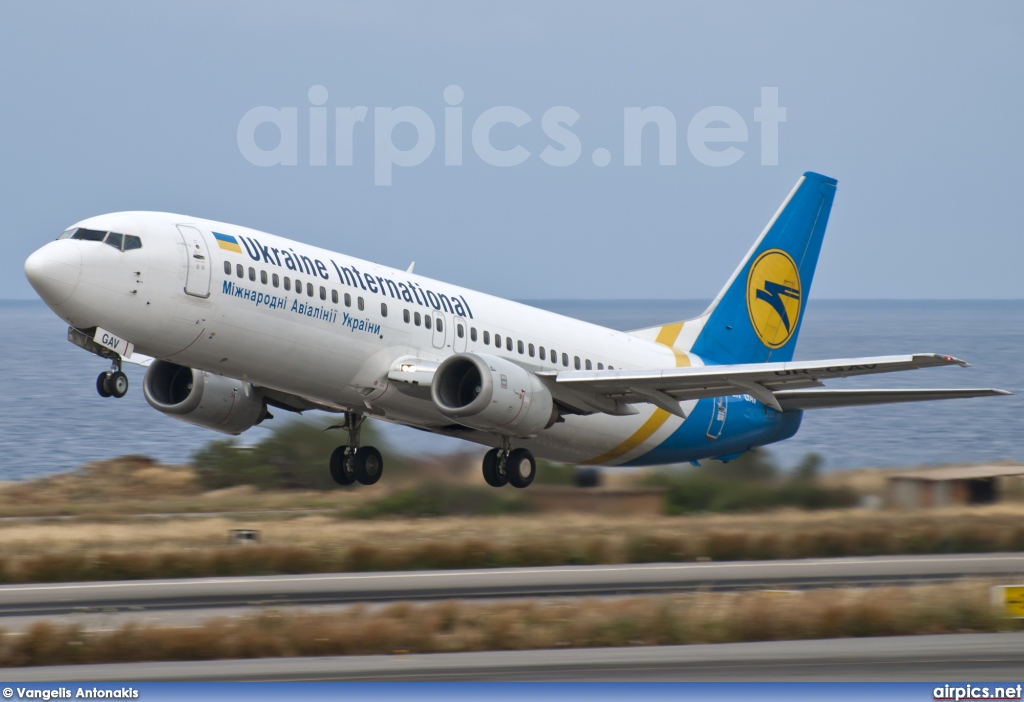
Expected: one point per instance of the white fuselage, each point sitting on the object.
(197, 300)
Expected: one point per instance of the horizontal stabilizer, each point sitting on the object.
(825, 399)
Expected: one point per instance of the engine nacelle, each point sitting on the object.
(202, 398)
(491, 394)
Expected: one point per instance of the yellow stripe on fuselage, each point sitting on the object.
(667, 336)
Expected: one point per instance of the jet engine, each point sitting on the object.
(202, 398)
(492, 394)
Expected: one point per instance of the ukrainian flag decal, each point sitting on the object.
(228, 243)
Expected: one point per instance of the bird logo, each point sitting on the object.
(774, 297)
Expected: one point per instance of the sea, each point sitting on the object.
(52, 420)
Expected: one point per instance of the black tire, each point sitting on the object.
(368, 465)
(521, 468)
(101, 385)
(341, 467)
(117, 383)
(490, 466)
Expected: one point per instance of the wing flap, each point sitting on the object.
(825, 399)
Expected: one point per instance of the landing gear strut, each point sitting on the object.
(352, 463)
(112, 383)
(503, 465)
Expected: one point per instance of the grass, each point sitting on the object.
(453, 626)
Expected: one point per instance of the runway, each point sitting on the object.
(54, 599)
(953, 658)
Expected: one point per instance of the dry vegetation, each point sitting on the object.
(34, 552)
(459, 626)
(138, 485)
(310, 531)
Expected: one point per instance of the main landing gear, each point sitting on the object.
(112, 383)
(505, 465)
(353, 463)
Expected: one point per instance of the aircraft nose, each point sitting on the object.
(53, 271)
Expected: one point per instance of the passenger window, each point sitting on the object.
(460, 331)
(298, 286)
(472, 333)
(132, 242)
(361, 305)
(520, 347)
(588, 366)
(263, 277)
(239, 271)
(576, 362)
(440, 324)
(426, 321)
(565, 359)
(541, 349)
(405, 316)
(611, 367)
(287, 283)
(416, 319)
(275, 280)
(323, 293)
(383, 309)
(554, 356)
(227, 267)
(531, 350)
(497, 340)
(309, 289)
(600, 366)
(487, 337)
(334, 296)
(252, 274)
(348, 300)
(508, 343)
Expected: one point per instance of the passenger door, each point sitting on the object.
(197, 277)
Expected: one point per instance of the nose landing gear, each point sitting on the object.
(112, 383)
(352, 463)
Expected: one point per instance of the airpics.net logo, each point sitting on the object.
(715, 136)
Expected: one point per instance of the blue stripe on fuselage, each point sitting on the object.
(747, 424)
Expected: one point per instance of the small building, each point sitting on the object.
(949, 486)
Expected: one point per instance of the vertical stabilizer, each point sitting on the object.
(757, 315)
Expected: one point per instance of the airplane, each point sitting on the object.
(231, 323)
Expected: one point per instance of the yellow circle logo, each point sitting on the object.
(774, 297)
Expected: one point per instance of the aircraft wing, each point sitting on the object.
(771, 383)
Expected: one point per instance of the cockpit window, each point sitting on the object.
(88, 235)
(121, 242)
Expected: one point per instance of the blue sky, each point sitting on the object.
(915, 108)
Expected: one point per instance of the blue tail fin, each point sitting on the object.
(756, 318)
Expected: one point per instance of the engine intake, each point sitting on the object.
(492, 394)
(202, 398)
